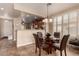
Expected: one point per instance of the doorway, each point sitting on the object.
(6, 28)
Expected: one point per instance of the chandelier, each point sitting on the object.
(47, 20)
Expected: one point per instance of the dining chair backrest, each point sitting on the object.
(40, 35)
(64, 41)
(36, 40)
(57, 34)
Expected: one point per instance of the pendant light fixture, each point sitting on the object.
(47, 19)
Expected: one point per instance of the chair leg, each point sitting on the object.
(50, 50)
(39, 51)
(60, 53)
(36, 50)
(54, 49)
(65, 52)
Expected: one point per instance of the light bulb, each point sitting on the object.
(2, 8)
(45, 20)
(50, 20)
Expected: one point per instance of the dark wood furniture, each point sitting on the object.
(62, 45)
(45, 44)
(56, 36)
(38, 43)
(48, 42)
(40, 35)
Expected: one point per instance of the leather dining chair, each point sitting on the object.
(37, 43)
(40, 44)
(40, 36)
(62, 45)
(57, 37)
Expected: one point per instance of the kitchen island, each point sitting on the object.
(25, 37)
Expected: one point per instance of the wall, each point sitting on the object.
(6, 28)
(51, 27)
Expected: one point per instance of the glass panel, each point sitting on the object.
(54, 30)
(54, 25)
(59, 29)
(72, 29)
(73, 23)
(59, 23)
(78, 23)
(69, 24)
(65, 24)
(72, 17)
(59, 20)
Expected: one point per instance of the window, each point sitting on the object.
(73, 23)
(55, 25)
(78, 22)
(65, 24)
(59, 23)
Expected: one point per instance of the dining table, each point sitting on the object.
(48, 43)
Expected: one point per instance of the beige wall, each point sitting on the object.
(6, 28)
(51, 27)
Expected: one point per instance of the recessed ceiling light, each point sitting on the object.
(6, 21)
(2, 8)
(45, 20)
(50, 20)
(35, 17)
(27, 15)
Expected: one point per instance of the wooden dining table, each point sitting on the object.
(48, 43)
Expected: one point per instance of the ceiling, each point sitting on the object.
(8, 11)
(40, 9)
(56, 8)
(33, 9)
